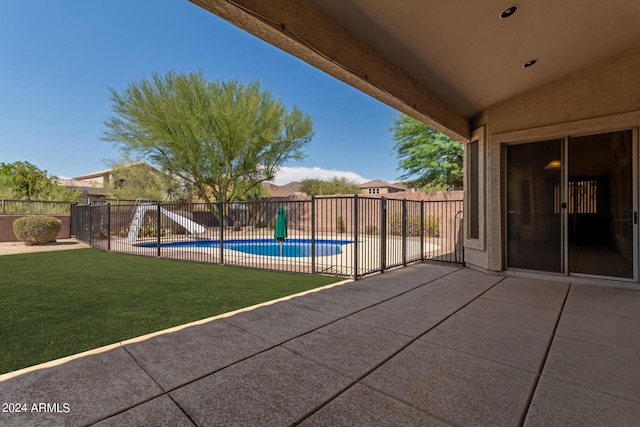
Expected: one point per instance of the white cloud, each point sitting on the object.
(290, 174)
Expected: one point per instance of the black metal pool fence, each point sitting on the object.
(349, 236)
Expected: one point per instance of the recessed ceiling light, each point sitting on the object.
(508, 12)
(529, 63)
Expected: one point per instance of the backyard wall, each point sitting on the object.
(6, 227)
(328, 208)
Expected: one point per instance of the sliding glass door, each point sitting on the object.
(572, 205)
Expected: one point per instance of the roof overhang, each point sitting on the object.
(443, 62)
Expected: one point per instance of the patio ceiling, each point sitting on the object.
(442, 61)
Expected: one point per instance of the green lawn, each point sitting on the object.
(54, 304)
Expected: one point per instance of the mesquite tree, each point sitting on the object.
(224, 138)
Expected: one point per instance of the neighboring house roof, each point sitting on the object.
(88, 188)
(109, 171)
(400, 185)
(380, 184)
(93, 174)
(72, 182)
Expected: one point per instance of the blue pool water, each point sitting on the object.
(292, 248)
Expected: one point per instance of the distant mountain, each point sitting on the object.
(277, 190)
(294, 186)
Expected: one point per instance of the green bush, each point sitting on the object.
(150, 229)
(36, 229)
(340, 228)
(431, 225)
(372, 230)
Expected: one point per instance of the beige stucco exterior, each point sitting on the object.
(602, 98)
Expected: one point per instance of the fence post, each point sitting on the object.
(3, 210)
(90, 225)
(459, 237)
(383, 234)
(313, 234)
(462, 238)
(355, 237)
(158, 226)
(221, 221)
(108, 226)
(404, 232)
(421, 230)
(73, 218)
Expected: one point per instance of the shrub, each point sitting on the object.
(395, 224)
(101, 233)
(372, 230)
(36, 229)
(431, 225)
(340, 228)
(150, 229)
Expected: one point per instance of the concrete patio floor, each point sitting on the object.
(424, 345)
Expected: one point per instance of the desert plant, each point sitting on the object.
(150, 229)
(101, 233)
(372, 230)
(340, 228)
(395, 224)
(36, 229)
(431, 225)
(413, 225)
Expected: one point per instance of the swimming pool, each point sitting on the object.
(291, 248)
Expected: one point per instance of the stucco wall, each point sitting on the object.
(605, 97)
(608, 88)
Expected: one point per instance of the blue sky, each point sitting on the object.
(58, 59)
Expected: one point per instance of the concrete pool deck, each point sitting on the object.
(428, 344)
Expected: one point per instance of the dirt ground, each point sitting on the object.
(10, 248)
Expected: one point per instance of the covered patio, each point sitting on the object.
(544, 95)
(429, 344)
